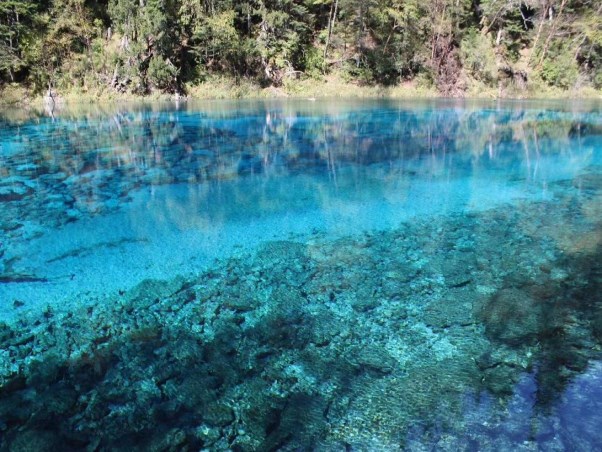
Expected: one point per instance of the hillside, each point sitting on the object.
(454, 47)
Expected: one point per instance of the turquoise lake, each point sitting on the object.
(330, 275)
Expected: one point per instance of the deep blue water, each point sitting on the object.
(297, 275)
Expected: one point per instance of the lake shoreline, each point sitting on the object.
(230, 89)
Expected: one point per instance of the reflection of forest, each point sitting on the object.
(359, 336)
(88, 163)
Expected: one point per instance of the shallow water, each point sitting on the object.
(330, 275)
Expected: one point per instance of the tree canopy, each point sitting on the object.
(141, 46)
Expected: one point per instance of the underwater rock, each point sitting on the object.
(14, 192)
(170, 441)
(218, 414)
(150, 292)
(37, 440)
(512, 316)
(371, 358)
(455, 307)
(370, 343)
(597, 323)
(7, 278)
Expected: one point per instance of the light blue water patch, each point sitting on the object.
(338, 173)
(178, 229)
(359, 275)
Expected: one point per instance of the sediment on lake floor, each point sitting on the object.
(378, 340)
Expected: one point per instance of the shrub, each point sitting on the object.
(560, 68)
(478, 57)
(161, 73)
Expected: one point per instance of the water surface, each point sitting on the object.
(330, 275)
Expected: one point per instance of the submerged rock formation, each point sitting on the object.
(432, 333)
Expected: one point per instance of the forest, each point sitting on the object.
(142, 47)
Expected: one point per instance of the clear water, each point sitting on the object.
(330, 275)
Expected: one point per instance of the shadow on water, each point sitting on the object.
(468, 331)
(159, 386)
(435, 333)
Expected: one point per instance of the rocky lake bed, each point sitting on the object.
(395, 297)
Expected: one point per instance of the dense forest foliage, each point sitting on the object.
(144, 46)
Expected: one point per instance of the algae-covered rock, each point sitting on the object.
(150, 292)
(170, 441)
(218, 414)
(597, 323)
(37, 440)
(501, 378)
(371, 358)
(14, 192)
(512, 316)
(377, 341)
(455, 307)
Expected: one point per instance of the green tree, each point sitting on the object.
(283, 34)
(148, 33)
(159, 45)
(399, 30)
(17, 27)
